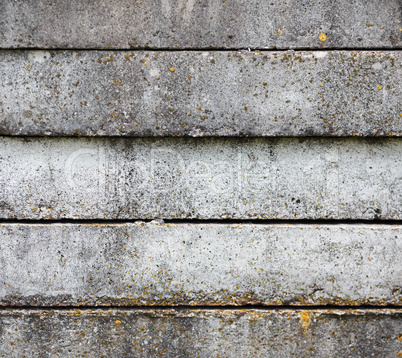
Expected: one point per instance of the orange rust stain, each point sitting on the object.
(322, 37)
(305, 319)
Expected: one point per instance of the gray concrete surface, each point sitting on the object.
(100, 93)
(62, 74)
(126, 24)
(200, 264)
(201, 333)
(200, 178)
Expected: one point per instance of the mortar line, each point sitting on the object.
(204, 49)
(201, 307)
(307, 222)
(180, 136)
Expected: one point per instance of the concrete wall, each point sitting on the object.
(137, 220)
(144, 264)
(200, 93)
(204, 333)
(205, 178)
(180, 24)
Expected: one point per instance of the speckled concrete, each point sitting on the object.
(126, 24)
(201, 333)
(100, 93)
(200, 264)
(108, 68)
(200, 178)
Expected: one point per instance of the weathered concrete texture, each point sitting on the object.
(181, 24)
(204, 178)
(200, 264)
(201, 93)
(204, 334)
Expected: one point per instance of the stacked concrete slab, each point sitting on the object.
(211, 179)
